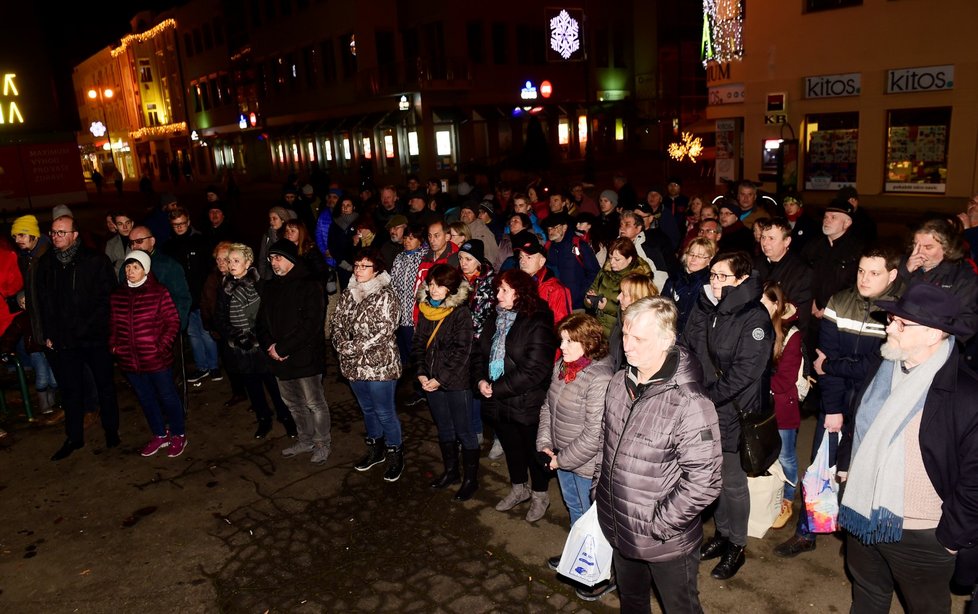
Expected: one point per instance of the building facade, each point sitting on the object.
(875, 94)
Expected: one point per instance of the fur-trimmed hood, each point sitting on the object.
(459, 297)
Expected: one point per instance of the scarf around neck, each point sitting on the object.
(497, 354)
(434, 313)
(66, 256)
(568, 370)
(872, 506)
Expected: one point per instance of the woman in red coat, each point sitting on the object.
(144, 325)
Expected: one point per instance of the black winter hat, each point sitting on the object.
(286, 249)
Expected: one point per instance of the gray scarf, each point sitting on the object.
(66, 256)
(872, 506)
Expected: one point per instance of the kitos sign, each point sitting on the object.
(924, 79)
(831, 86)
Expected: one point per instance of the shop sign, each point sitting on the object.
(924, 79)
(726, 94)
(831, 86)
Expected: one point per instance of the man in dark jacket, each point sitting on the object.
(73, 285)
(570, 257)
(657, 403)
(784, 267)
(909, 465)
(848, 346)
(289, 329)
(191, 250)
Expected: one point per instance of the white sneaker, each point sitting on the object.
(497, 450)
(319, 455)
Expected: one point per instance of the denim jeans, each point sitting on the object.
(307, 402)
(376, 399)
(576, 492)
(160, 400)
(789, 460)
(43, 375)
(451, 410)
(477, 417)
(202, 345)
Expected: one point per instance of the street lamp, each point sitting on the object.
(103, 94)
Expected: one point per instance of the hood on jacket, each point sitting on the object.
(680, 367)
(460, 297)
(733, 298)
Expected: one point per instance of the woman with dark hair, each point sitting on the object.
(512, 363)
(295, 231)
(685, 286)
(786, 360)
(363, 333)
(442, 345)
(730, 332)
(570, 419)
(602, 296)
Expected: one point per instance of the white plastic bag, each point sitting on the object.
(766, 493)
(587, 554)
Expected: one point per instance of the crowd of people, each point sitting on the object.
(617, 344)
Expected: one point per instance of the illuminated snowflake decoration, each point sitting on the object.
(97, 129)
(565, 35)
(689, 146)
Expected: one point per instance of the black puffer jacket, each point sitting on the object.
(959, 279)
(291, 316)
(733, 341)
(530, 348)
(659, 464)
(446, 358)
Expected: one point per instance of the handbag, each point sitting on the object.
(760, 442)
(766, 494)
(587, 554)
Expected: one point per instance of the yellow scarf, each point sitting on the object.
(435, 314)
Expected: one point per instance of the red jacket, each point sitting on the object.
(143, 326)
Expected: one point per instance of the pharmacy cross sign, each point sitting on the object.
(564, 35)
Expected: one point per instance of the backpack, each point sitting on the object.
(804, 381)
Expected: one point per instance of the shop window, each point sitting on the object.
(443, 143)
(328, 150)
(413, 149)
(916, 150)
(831, 143)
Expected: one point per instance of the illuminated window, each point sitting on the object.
(619, 129)
(346, 149)
(831, 143)
(582, 129)
(328, 149)
(367, 153)
(389, 145)
(312, 150)
(443, 143)
(295, 150)
(413, 144)
(563, 132)
(916, 150)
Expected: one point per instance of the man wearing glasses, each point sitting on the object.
(189, 247)
(74, 284)
(908, 466)
(167, 270)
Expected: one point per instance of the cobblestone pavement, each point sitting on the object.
(231, 526)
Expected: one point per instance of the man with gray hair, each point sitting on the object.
(909, 462)
(657, 403)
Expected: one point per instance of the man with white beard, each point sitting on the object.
(909, 462)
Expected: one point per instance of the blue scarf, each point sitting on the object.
(497, 355)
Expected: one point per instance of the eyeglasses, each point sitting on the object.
(140, 240)
(698, 256)
(900, 323)
(363, 266)
(708, 231)
(721, 277)
(179, 224)
(62, 233)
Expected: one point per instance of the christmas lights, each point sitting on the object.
(143, 36)
(723, 22)
(689, 146)
(158, 131)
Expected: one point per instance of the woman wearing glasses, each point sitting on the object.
(686, 286)
(363, 332)
(729, 330)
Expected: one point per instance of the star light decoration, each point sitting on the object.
(97, 129)
(688, 146)
(565, 35)
(723, 22)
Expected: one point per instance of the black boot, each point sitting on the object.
(375, 454)
(395, 463)
(731, 561)
(470, 471)
(714, 548)
(449, 455)
(264, 428)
